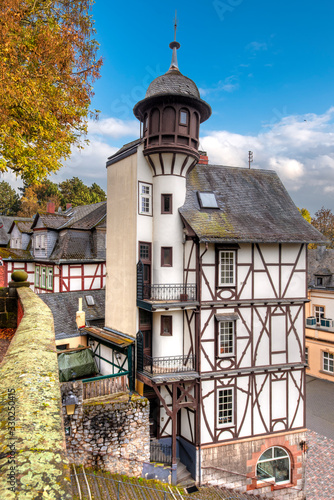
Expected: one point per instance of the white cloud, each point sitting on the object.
(113, 127)
(230, 84)
(299, 148)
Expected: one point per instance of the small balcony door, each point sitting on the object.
(145, 326)
(145, 252)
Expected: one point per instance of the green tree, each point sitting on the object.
(323, 220)
(9, 199)
(74, 191)
(48, 64)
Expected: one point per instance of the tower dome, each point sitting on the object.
(171, 113)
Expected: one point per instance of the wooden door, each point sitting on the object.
(145, 256)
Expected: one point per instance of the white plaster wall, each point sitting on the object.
(167, 345)
(187, 423)
(144, 222)
(296, 379)
(168, 229)
(263, 400)
(163, 415)
(207, 412)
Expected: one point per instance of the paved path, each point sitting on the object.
(320, 406)
(320, 439)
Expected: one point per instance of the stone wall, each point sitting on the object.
(8, 309)
(110, 432)
(33, 461)
(234, 466)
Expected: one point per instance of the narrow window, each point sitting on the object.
(166, 325)
(43, 241)
(319, 281)
(50, 278)
(37, 273)
(226, 265)
(306, 356)
(43, 277)
(166, 256)
(145, 198)
(225, 406)
(183, 117)
(166, 204)
(38, 241)
(226, 338)
(274, 465)
(328, 362)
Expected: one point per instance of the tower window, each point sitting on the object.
(166, 204)
(166, 256)
(183, 117)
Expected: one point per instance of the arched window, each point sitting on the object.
(274, 465)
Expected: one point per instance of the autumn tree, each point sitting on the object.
(306, 214)
(9, 199)
(323, 220)
(47, 66)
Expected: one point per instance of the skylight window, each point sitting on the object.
(207, 200)
(89, 300)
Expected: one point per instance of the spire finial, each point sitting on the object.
(174, 45)
(175, 26)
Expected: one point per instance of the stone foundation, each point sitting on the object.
(110, 433)
(234, 466)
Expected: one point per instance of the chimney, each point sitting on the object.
(203, 159)
(50, 207)
(68, 206)
(80, 316)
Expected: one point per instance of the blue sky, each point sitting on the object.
(266, 69)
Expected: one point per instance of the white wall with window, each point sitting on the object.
(226, 268)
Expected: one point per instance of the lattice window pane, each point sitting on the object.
(226, 337)
(225, 406)
(227, 266)
(328, 362)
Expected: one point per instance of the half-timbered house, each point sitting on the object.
(206, 267)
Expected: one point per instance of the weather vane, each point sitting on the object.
(250, 158)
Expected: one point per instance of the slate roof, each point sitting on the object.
(253, 205)
(24, 227)
(173, 82)
(73, 245)
(65, 305)
(321, 263)
(5, 225)
(15, 254)
(81, 217)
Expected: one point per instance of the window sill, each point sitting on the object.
(225, 356)
(331, 374)
(273, 486)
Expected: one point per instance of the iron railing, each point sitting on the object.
(177, 292)
(161, 453)
(168, 364)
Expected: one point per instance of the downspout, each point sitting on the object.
(199, 295)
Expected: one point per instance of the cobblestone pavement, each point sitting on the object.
(319, 467)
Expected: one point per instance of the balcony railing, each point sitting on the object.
(176, 292)
(168, 364)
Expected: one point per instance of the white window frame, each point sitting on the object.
(145, 198)
(228, 278)
(43, 241)
(225, 408)
(329, 357)
(319, 312)
(38, 241)
(226, 335)
(272, 478)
